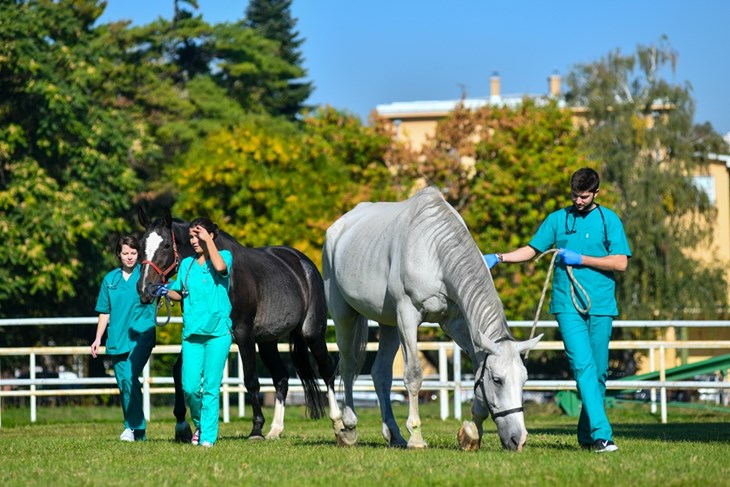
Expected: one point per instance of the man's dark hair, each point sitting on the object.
(585, 180)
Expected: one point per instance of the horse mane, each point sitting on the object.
(464, 271)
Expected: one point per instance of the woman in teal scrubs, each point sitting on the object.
(591, 240)
(130, 327)
(202, 284)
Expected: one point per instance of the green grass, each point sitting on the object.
(79, 446)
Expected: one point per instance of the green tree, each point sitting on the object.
(640, 127)
(285, 94)
(66, 181)
(505, 169)
(269, 181)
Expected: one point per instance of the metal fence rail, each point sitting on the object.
(443, 384)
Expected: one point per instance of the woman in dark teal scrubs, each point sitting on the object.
(130, 327)
(202, 283)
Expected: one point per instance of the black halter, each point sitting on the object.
(479, 384)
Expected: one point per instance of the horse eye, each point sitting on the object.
(498, 381)
(167, 245)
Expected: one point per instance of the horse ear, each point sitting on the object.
(142, 217)
(528, 344)
(167, 216)
(482, 340)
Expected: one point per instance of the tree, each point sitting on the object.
(640, 127)
(284, 95)
(269, 181)
(66, 182)
(505, 169)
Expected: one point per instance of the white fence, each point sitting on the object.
(442, 384)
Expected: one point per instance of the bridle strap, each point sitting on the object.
(173, 265)
(479, 384)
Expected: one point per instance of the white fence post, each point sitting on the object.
(443, 378)
(457, 382)
(31, 374)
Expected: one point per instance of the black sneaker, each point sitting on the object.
(602, 446)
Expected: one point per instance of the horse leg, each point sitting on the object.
(382, 373)
(247, 350)
(269, 353)
(183, 432)
(348, 339)
(408, 320)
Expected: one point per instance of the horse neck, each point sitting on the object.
(182, 239)
(471, 287)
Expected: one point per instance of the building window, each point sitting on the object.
(706, 184)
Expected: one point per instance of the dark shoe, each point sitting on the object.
(603, 446)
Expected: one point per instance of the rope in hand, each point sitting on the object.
(575, 284)
(152, 289)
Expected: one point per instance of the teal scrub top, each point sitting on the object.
(584, 234)
(206, 308)
(130, 321)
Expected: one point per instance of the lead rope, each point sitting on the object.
(575, 284)
(152, 289)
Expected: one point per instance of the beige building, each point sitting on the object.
(415, 121)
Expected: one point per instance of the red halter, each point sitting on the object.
(172, 267)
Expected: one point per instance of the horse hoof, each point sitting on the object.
(346, 438)
(183, 433)
(417, 445)
(468, 436)
(274, 434)
(256, 438)
(399, 444)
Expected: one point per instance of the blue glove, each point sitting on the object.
(491, 260)
(569, 257)
(160, 291)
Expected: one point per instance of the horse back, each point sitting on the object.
(273, 290)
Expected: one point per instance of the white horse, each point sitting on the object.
(402, 264)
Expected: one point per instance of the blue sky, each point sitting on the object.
(360, 54)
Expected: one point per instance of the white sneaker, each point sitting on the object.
(207, 444)
(127, 435)
(196, 437)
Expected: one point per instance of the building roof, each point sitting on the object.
(442, 107)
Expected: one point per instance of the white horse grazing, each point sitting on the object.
(401, 264)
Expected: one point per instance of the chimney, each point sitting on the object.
(554, 84)
(494, 87)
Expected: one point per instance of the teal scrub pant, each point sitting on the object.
(127, 367)
(204, 358)
(586, 344)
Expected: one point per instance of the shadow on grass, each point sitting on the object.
(714, 432)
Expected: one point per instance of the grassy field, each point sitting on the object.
(78, 446)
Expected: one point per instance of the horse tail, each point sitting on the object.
(312, 394)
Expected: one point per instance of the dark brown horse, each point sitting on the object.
(276, 292)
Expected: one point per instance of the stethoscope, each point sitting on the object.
(572, 230)
(117, 280)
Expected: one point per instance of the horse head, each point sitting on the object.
(501, 377)
(160, 254)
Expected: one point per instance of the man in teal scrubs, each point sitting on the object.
(130, 327)
(591, 240)
(202, 284)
